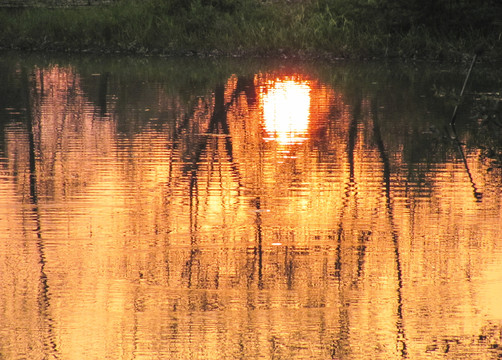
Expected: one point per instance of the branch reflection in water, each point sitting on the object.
(253, 214)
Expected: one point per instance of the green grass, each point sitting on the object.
(331, 28)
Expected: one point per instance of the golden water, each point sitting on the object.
(271, 215)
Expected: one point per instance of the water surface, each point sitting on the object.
(211, 209)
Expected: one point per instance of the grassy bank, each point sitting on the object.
(446, 29)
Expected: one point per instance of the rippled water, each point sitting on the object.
(217, 209)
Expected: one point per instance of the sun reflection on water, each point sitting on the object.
(286, 110)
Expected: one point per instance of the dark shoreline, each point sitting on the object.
(310, 30)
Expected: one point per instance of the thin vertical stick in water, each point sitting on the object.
(478, 195)
(477, 52)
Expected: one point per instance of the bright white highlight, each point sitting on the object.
(286, 111)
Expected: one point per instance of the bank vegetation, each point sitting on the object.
(423, 29)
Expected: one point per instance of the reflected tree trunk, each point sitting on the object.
(194, 251)
(43, 295)
(103, 92)
(289, 267)
(401, 336)
(361, 252)
(350, 186)
(218, 124)
(258, 243)
(477, 194)
(341, 346)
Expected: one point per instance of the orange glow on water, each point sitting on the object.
(168, 223)
(286, 110)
